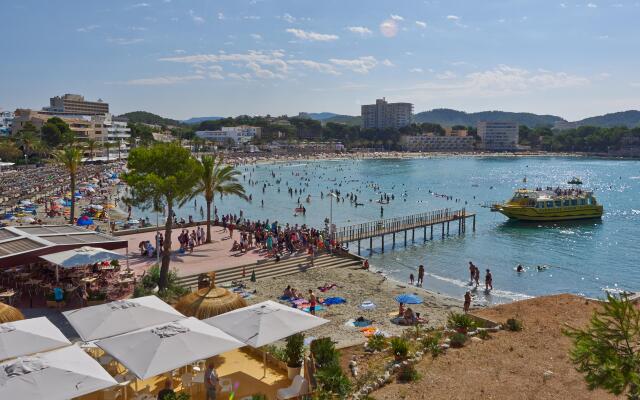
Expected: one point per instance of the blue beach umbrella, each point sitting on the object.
(408, 298)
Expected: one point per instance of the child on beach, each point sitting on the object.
(467, 301)
(488, 281)
(411, 279)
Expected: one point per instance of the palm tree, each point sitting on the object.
(217, 178)
(28, 142)
(119, 141)
(92, 144)
(107, 146)
(71, 158)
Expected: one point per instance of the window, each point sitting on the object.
(549, 204)
(574, 202)
(567, 203)
(540, 204)
(583, 202)
(558, 203)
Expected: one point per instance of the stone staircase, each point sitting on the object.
(271, 268)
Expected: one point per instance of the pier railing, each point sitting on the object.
(392, 225)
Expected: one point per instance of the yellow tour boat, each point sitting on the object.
(550, 205)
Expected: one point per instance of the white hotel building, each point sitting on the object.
(238, 134)
(498, 136)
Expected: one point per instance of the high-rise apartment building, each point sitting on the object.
(75, 104)
(386, 115)
(498, 136)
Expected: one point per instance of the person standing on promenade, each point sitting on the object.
(420, 275)
(211, 382)
(488, 281)
(467, 301)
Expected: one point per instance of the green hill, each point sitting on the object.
(448, 117)
(145, 117)
(344, 119)
(629, 119)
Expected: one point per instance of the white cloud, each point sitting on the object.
(162, 80)
(263, 73)
(179, 51)
(242, 77)
(563, 5)
(389, 28)
(592, 5)
(417, 70)
(316, 66)
(256, 36)
(221, 16)
(360, 30)
(396, 17)
(289, 18)
(88, 28)
(387, 63)
(453, 18)
(446, 75)
(421, 24)
(251, 17)
(312, 36)
(124, 41)
(139, 5)
(196, 18)
(361, 65)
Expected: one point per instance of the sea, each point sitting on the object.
(588, 258)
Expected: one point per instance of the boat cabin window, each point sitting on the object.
(567, 203)
(549, 204)
(583, 202)
(558, 203)
(574, 202)
(540, 204)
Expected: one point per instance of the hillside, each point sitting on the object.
(321, 116)
(197, 120)
(145, 117)
(448, 117)
(344, 119)
(629, 119)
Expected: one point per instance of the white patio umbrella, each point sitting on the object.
(264, 323)
(121, 316)
(29, 336)
(85, 255)
(55, 375)
(152, 351)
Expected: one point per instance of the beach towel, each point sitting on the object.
(369, 331)
(334, 300)
(318, 308)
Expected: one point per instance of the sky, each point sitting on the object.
(189, 58)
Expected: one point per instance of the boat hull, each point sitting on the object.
(550, 214)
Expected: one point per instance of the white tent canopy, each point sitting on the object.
(263, 323)
(85, 255)
(117, 317)
(29, 336)
(56, 375)
(152, 351)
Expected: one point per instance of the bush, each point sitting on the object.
(399, 347)
(177, 396)
(431, 343)
(331, 379)
(149, 283)
(96, 296)
(458, 340)
(324, 352)
(408, 373)
(513, 325)
(460, 322)
(278, 353)
(295, 350)
(259, 397)
(484, 335)
(376, 342)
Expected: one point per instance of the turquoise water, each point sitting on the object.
(583, 257)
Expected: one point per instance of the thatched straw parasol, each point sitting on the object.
(209, 300)
(9, 314)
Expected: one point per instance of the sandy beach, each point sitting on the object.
(356, 286)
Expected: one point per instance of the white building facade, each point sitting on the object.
(498, 136)
(6, 122)
(431, 142)
(238, 134)
(384, 115)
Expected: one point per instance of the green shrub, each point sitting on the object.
(408, 373)
(279, 353)
(458, 340)
(431, 343)
(96, 296)
(460, 322)
(177, 396)
(295, 350)
(399, 347)
(259, 397)
(324, 352)
(150, 280)
(332, 379)
(513, 325)
(376, 342)
(484, 335)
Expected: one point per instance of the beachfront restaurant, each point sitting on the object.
(132, 349)
(28, 278)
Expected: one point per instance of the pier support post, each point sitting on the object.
(425, 234)
(358, 246)
(474, 223)
(382, 243)
(371, 245)
(431, 232)
(405, 238)
(413, 235)
(394, 241)
(447, 228)
(443, 231)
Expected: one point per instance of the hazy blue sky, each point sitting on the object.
(184, 58)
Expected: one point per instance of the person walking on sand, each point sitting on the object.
(467, 301)
(312, 302)
(211, 382)
(420, 275)
(488, 281)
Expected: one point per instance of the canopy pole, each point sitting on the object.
(57, 274)
(264, 363)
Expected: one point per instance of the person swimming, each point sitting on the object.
(519, 268)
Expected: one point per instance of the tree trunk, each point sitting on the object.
(166, 249)
(208, 222)
(73, 198)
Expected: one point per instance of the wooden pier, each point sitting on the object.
(392, 226)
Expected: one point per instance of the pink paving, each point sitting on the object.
(205, 258)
